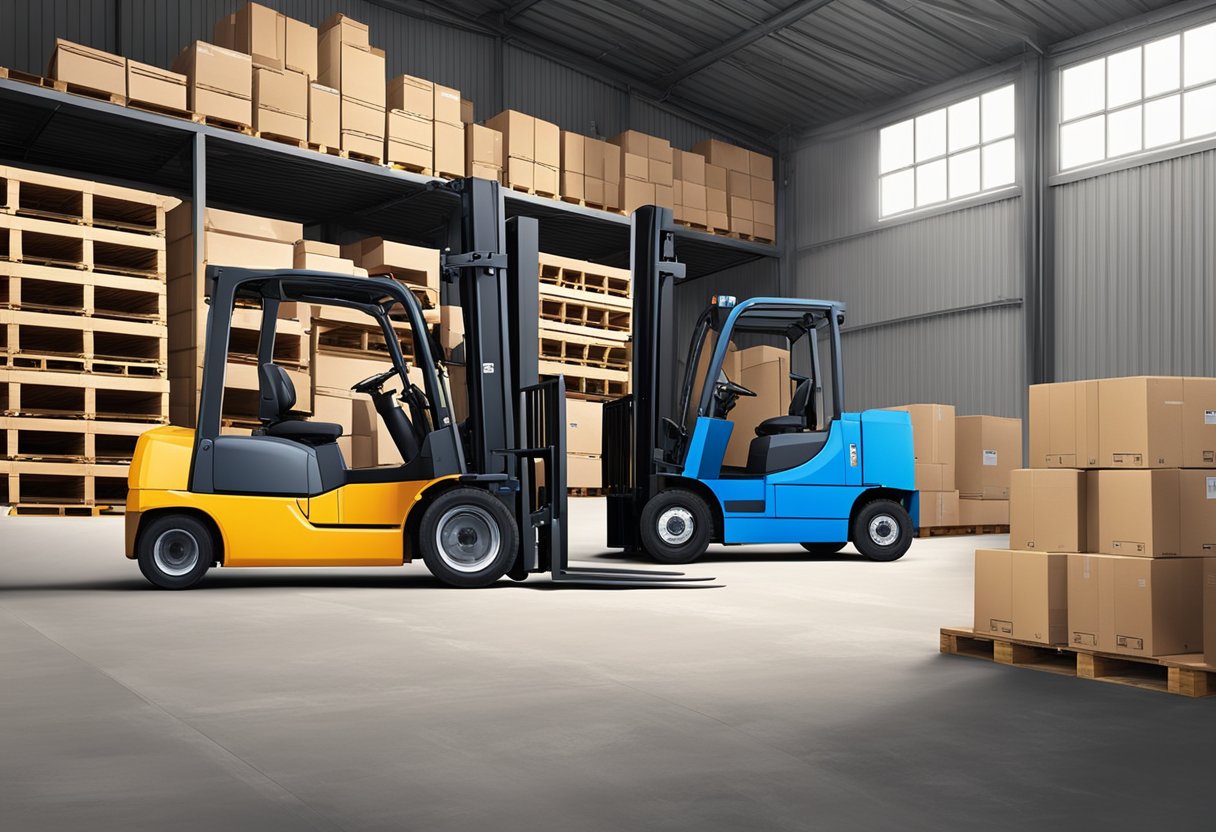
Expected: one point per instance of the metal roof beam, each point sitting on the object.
(516, 9)
(744, 39)
(903, 17)
(987, 21)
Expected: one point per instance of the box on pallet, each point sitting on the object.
(147, 84)
(219, 82)
(938, 508)
(280, 102)
(1135, 606)
(1064, 425)
(1152, 513)
(416, 265)
(987, 450)
(1022, 595)
(933, 442)
(1047, 510)
(583, 471)
(449, 149)
(85, 66)
(324, 115)
(983, 512)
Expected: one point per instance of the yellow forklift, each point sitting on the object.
(475, 501)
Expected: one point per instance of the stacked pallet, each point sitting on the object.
(82, 338)
(230, 239)
(1109, 530)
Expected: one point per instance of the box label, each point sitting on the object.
(1211, 488)
(1209, 417)
(990, 457)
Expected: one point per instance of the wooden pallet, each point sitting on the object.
(53, 510)
(408, 167)
(71, 292)
(117, 398)
(610, 357)
(290, 141)
(586, 388)
(41, 340)
(587, 316)
(1185, 675)
(585, 492)
(695, 226)
(160, 109)
(55, 485)
(959, 531)
(316, 147)
(363, 157)
(532, 191)
(68, 245)
(69, 440)
(584, 277)
(223, 123)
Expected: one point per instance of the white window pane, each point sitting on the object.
(964, 121)
(931, 135)
(1199, 112)
(1083, 142)
(1084, 89)
(931, 183)
(895, 146)
(999, 164)
(1162, 65)
(898, 192)
(965, 173)
(1199, 54)
(1162, 121)
(1123, 78)
(997, 121)
(1123, 131)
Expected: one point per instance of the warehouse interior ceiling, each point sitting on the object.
(764, 69)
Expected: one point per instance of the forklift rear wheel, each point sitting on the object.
(823, 549)
(175, 551)
(676, 526)
(882, 530)
(468, 538)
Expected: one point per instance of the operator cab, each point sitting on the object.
(777, 382)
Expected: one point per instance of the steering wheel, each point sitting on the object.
(373, 383)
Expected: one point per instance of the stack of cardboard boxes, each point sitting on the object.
(584, 443)
(219, 82)
(283, 53)
(230, 239)
(348, 62)
(483, 152)
(690, 192)
(747, 183)
(766, 372)
(138, 84)
(987, 450)
(933, 440)
(591, 171)
(1110, 528)
(425, 131)
(647, 164)
(532, 152)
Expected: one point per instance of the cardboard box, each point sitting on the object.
(574, 152)
(659, 172)
(716, 201)
(519, 173)
(364, 119)
(449, 149)
(177, 225)
(693, 196)
(301, 50)
(417, 265)
(933, 433)
(88, 67)
(1209, 611)
(415, 96)
(635, 193)
(324, 115)
(1022, 595)
(356, 72)
(689, 167)
(717, 220)
(410, 129)
(715, 178)
(1064, 425)
(1153, 514)
(584, 426)
(573, 185)
(152, 85)
(546, 179)
(741, 217)
(766, 372)
(632, 141)
(451, 327)
(484, 171)
(447, 105)
(938, 508)
(583, 471)
(466, 111)
(303, 247)
(760, 165)
(347, 30)
(635, 167)
(547, 149)
(1140, 422)
(224, 32)
(934, 476)
(1198, 422)
(280, 102)
(983, 512)
(261, 33)
(987, 449)
(763, 190)
(219, 82)
(612, 163)
(483, 145)
(664, 196)
(724, 155)
(738, 185)
(518, 135)
(1047, 510)
(1135, 606)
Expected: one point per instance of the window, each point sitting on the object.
(948, 154)
(1154, 95)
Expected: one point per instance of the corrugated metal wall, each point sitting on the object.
(28, 29)
(1135, 261)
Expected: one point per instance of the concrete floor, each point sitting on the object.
(803, 694)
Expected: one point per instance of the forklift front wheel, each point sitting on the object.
(468, 538)
(676, 526)
(882, 530)
(175, 551)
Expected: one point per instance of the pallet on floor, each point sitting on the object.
(1185, 675)
(960, 531)
(68, 245)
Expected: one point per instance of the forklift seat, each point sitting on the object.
(795, 421)
(278, 397)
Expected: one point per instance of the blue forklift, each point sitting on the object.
(814, 475)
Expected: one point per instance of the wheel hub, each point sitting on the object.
(676, 526)
(175, 552)
(884, 530)
(467, 538)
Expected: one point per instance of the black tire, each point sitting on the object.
(882, 530)
(687, 526)
(175, 551)
(468, 538)
(823, 549)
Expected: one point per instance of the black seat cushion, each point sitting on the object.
(307, 432)
(278, 394)
(780, 424)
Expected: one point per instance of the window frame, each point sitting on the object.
(979, 146)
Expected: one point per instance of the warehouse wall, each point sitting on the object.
(934, 302)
